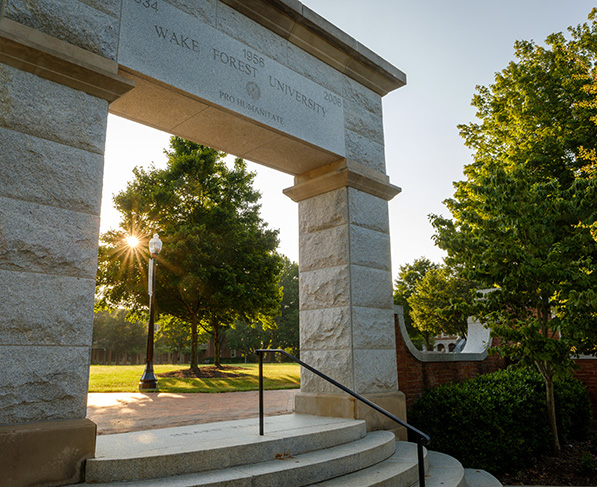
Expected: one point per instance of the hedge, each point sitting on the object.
(498, 422)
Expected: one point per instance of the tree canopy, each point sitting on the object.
(218, 264)
(441, 303)
(248, 337)
(112, 331)
(521, 219)
(286, 333)
(409, 276)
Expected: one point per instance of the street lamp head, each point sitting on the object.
(155, 245)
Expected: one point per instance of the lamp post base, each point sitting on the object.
(148, 381)
(148, 386)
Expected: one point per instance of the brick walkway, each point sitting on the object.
(122, 412)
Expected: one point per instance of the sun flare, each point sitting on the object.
(132, 241)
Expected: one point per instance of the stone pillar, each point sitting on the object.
(53, 111)
(346, 308)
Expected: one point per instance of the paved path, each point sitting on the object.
(116, 412)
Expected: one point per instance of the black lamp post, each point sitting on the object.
(148, 380)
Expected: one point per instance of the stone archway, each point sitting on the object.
(267, 80)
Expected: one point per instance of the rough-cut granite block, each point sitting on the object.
(314, 69)
(373, 328)
(370, 248)
(42, 108)
(366, 151)
(204, 10)
(38, 309)
(326, 210)
(45, 239)
(375, 371)
(357, 93)
(363, 122)
(371, 288)
(49, 173)
(43, 383)
(325, 248)
(111, 7)
(368, 211)
(78, 23)
(325, 329)
(336, 364)
(324, 288)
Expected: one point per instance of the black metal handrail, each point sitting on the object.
(421, 438)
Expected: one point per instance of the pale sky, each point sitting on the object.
(445, 49)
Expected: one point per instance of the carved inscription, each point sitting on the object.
(234, 63)
(251, 107)
(153, 4)
(296, 95)
(180, 40)
(177, 48)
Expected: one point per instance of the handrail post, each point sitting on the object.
(421, 461)
(260, 392)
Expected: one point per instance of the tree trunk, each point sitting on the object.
(194, 344)
(216, 329)
(551, 407)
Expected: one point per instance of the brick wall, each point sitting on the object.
(415, 376)
(587, 374)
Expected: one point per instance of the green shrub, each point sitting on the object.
(498, 422)
(588, 464)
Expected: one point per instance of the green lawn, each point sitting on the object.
(125, 378)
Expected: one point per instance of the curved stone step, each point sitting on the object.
(299, 470)
(400, 470)
(189, 449)
(443, 471)
(480, 478)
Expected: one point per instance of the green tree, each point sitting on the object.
(404, 286)
(286, 333)
(218, 264)
(521, 218)
(247, 337)
(441, 303)
(113, 331)
(174, 336)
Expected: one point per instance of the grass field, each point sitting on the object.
(125, 378)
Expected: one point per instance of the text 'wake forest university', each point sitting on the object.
(185, 51)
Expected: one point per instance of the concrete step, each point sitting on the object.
(443, 471)
(189, 449)
(400, 470)
(480, 478)
(296, 450)
(287, 470)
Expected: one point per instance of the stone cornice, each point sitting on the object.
(344, 173)
(298, 24)
(30, 50)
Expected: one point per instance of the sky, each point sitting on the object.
(446, 49)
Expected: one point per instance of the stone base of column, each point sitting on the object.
(344, 406)
(49, 453)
